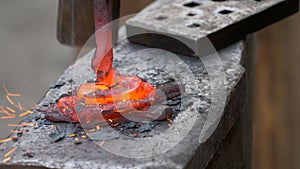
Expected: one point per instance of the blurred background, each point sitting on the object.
(31, 59)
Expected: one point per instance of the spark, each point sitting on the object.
(64, 92)
(8, 93)
(14, 125)
(97, 127)
(83, 137)
(9, 100)
(13, 95)
(8, 117)
(29, 124)
(23, 124)
(72, 135)
(114, 125)
(2, 110)
(9, 152)
(20, 106)
(6, 160)
(10, 109)
(110, 120)
(171, 121)
(25, 113)
(102, 143)
(17, 131)
(4, 87)
(6, 140)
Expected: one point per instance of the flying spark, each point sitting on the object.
(9, 152)
(6, 160)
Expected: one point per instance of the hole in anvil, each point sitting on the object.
(225, 11)
(191, 14)
(194, 25)
(161, 18)
(192, 4)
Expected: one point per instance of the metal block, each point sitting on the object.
(186, 154)
(223, 22)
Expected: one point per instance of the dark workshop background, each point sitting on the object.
(31, 59)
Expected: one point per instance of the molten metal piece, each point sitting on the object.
(113, 93)
(69, 110)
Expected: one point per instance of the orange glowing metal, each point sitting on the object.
(6, 160)
(9, 152)
(112, 92)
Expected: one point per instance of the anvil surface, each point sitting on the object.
(148, 64)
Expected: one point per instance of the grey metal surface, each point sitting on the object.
(223, 22)
(65, 154)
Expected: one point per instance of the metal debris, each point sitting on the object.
(55, 137)
(29, 153)
(56, 85)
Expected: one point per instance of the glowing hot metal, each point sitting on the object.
(113, 93)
